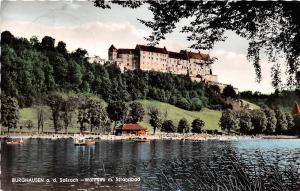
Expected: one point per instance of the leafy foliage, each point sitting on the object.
(183, 126)
(9, 112)
(117, 111)
(136, 113)
(245, 122)
(229, 120)
(156, 118)
(168, 126)
(229, 92)
(32, 70)
(259, 121)
(197, 125)
(269, 26)
(271, 120)
(282, 124)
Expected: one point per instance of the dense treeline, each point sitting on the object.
(285, 98)
(266, 120)
(32, 69)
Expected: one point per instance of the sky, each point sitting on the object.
(81, 25)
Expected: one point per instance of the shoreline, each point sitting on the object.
(159, 136)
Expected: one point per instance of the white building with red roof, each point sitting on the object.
(195, 64)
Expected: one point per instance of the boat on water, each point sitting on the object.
(83, 141)
(14, 141)
(141, 139)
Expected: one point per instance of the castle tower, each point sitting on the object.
(112, 53)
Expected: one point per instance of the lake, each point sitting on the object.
(252, 164)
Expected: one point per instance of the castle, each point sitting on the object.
(194, 64)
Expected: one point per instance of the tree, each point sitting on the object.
(83, 117)
(61, 48)
(183, 103)
(183, 126)
(290, 122)
(229, 92)
(97, 114)
(9, 112)
(136, 113)
(282, 124)
(155, 118)
(253, 21)
(197, 125)
(245, 122)
(117, 111)
(40, 118)
(68, 105)
(7, 37)
(271, 120)
(48, 43)
(297, 124)
(74, 74)
(215, 88)
(259, 121)
(196, 104)
(55, 102)
(229, 120)
(168, 126)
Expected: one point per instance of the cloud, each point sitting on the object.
(96, 37)
(233, 68)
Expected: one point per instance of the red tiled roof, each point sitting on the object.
(199, 56)
(125, 51)
(177, 55)
(131, 127)
(296, 109)
(152, 49)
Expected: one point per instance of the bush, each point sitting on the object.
(183, 103)
(168, 126)
(245, 122)
(183, 126)
(229, 120)
(259, 121)
(197, 125)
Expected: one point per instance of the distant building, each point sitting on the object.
(136, 129)
(96, 60)
(197, 65)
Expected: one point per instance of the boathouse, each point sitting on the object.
(129, 128)
(296, 109)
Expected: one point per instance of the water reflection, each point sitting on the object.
(162, 165)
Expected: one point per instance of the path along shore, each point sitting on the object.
(158, 136)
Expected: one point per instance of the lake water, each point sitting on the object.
(159, 165)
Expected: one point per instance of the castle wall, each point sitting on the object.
(153, 61)
(159, 60)
(128, 61)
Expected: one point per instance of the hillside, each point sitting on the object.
(211, 117)
(251, 105)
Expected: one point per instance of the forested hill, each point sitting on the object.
(31, 69)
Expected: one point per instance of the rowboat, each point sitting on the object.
(84, 142)
(141, 139)
(15, 142)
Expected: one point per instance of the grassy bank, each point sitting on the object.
(211, 117)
